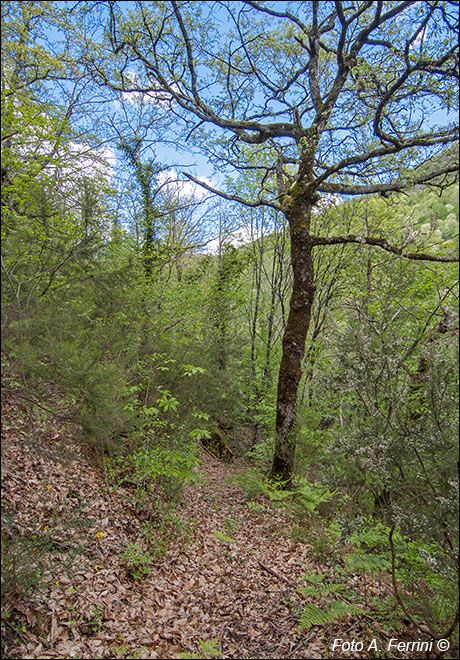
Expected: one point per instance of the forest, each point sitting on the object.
(229, 329)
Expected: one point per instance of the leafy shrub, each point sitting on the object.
(427, 574)
(261, 453)
(137, 560)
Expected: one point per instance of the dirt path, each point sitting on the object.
(244, 588)
(232, 580)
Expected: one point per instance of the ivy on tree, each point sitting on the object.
(334, 99)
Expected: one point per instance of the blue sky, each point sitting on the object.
(192, 160)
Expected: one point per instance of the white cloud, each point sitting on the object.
(237, 238)
(185, 189)
(94, 163)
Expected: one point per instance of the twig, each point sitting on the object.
(303, 641)
(210, 453)
(65, 418)
(18, 633)
(280, 577)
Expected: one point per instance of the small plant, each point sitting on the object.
(299, 533)
(262, 452)
(210, 649)
(137, 560)
(252, 483)
(231, 525)
(97, 618)
(225, 539)
(256, 507)
(120, 650)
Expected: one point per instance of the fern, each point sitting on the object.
(341, 609)
(209, 648)
(325, 589)
(330, 613)
(315, 616)
(223, 538)
(315, 577)
(366, 563)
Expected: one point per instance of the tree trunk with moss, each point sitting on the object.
(333, 60)
(298, 213)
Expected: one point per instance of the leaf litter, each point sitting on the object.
(242, 592)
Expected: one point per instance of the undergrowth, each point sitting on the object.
(359, 550)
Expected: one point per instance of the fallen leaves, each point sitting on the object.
(242, 592)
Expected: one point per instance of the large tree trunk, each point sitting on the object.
(295, 334)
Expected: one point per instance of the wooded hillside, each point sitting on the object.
(230, 329)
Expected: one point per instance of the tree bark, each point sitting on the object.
(294, 338)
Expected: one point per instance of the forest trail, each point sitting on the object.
(230, 576)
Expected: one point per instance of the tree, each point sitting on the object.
(268, 267)
(334, 98)
(145, 175)
(54, 182)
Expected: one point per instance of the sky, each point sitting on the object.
(192, 161)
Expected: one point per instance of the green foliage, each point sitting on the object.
(299, 533)
(153, 344)
(232, 525)
(257, 507)
(324, 547)
(137, 560)
(427, 572)
(152, 464)
(313, 615)
(321, 585)
(262, 452)
(366, 563)
(311, 496)
(209, 649)
(220, 536)
(96, 618)
(252, 483)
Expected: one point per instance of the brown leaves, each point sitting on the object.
(242, 592)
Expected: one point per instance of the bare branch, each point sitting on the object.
(393, 186)
(384, 245)
(234, 198)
